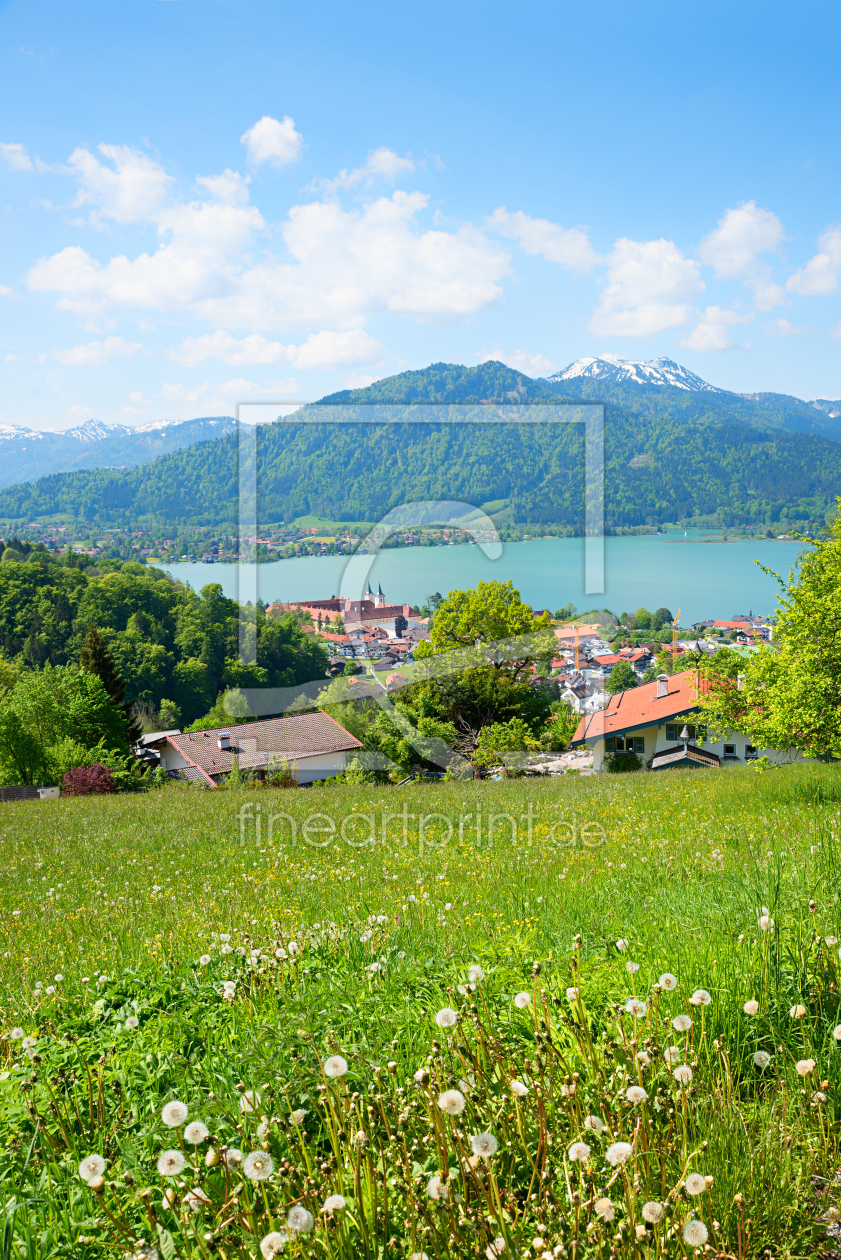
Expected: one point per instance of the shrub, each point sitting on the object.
(622, 765)
(95, 780)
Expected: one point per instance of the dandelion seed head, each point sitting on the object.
(695, 1184)
(334, 1203)
(249, 1101)
(632, 968)
(594, 1123)
(91, 1166)
(652, 1212)
(297, 1116)
(635, 1007)
(484, 1145)
(636, 1094)
(446, 1017)
(335, 1066)
(701, 998)
(643, 1058)
(174, 1114)
(683, 1074)
(196, 1199)
(273, 1244)
(579, 1151)
(519, 1088)
(16, 1034)
(804, 1066)
(766, 924)
(205, 959)
(522, 1000)
(232, 1158)
(681, 1023)
(762, 1058)
(673, 1054)
(836, 1032)
(437, 1189)
(196, 1132)
(618, 1152)
(475, 974)
(299, 1220)
(797, 1011)
(29, 1042)
(452, 1102)
(695, 1233)
(258, 1166)
(621, 945)
(605, 1209)
(667, 981)
(171, 1163)
(497, 1248)
(751, 1007)
(132, 1022)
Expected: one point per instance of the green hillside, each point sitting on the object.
(669, 455)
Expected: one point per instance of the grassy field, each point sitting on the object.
(450, 1020)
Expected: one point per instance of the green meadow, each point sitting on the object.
(576, 1018)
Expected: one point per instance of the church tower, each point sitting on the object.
(380, 598)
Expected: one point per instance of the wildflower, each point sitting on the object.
(280, 952)
(258, 1165)
(59, 977)
(695, 1184)
(797, 1012)
(632, 968)
(804, 1066)
(636, 1094)
(29, 1042)
(174, 1114)
(751, 1007)
(683, 1074)
(299, 1220)
(652, 1212)
(621, 945)
(594, 1123)
(335, 1066)
(50, 989)
(766, 924)
(446, 1017)
(91, 1166)
(605, 1209)
(195, 1199)
(681, 1023)
(232, 1158)
(360, 1138)
(497, 1248)
(16, 1034)
(830, 940)
(475, 974)
(522, 1000)
(519, 1088)
(579, 1151)
(452, 1101)
(436, 1189)
(818, 1097)
(672, 1054)
(334, 1203)
(273, 1244)
(196, 1132)
(421, 1075)
(484, 1145)
(667, 981)
(294, 948)
(695, 1233)
(226, 949)
(762, 1058)
(249, 1101)
(205, 959)
(297, 1116)
(836, 1032)
(701, 998)
(171, 1163)
(643, 1058)
(618, 1152)
(636, 1008)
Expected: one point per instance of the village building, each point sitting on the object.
(360, 615)
(314, 746)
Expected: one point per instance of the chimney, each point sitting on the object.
(224, 741)
(662, 686)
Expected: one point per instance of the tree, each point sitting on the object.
(622, 678)
(478, 619)
(566, 612)
(663, 616)
(95, 658)
(400, 624)
(789, 693)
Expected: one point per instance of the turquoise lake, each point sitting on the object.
(702, 578)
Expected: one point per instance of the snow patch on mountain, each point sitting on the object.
(611, 368)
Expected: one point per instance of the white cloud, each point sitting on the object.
(650, 288)
(5, 291)
(782, 328)
(139, 399)
(131, 191)
(820, 275)
(359, 380)
(713, 330)
(568, 246)
(529, 362)
(98, 353)
(272, 141)
(732, 249)
(382, 163)
(320, 350)
(835, 331)
(236, 389)
(16, 157)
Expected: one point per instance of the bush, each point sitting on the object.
(95, 780)
(622, 765)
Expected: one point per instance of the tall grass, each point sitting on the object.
(181, 955)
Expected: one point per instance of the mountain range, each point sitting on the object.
(676, 448)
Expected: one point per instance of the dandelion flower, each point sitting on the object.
(621, 945)
(484, 1145)
(632, 968)
(636, 1094)
(762, 1058)
(497, 1248)
(522, 1000)
(683, 1074)
(643, 1058)
(29, 1042)
(751, 1007)
(436, 1188)
(836, 1032)
(360, 1138)
(594, 1123)
(196, 1132)
(681, 1023)
(830, 940)
(174, 1114)
(196, 1199)
(605, 1209)
(701, 998)
(280, 953)
(171, 1163)
(766, 924)
(334, 1203)
(636, 1008)
(452, 1101)
(299, 1220)
(804, 1066)
(519, 1088)
(797, 1012)
(232, 1158)
(695, 1233)
(475, 973)
(273, 1244)
(297, 1116)
(421, 1075)
(335, 1066)
(16, 1034)
(579, 1151)
(667, 981)
(258, 1166)
(446, 1017)
(249, 1101)
(673, 1054)
(205, 959)
(59, 977)
(91, 1166)
(226, 949)
(695, 1184)
(132, 1022)
(652, 1212)
(618, 1152)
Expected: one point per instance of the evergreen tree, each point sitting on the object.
(95, 657)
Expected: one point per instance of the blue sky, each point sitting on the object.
(203, 202)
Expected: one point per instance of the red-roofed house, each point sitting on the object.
(649, 720)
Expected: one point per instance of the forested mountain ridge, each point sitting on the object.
(670, 454)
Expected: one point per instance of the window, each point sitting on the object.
(625, 744)
(695, 733)
(730, 751)
(751, 752)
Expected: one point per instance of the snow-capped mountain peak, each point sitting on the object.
(95, 430)
(610, 368)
